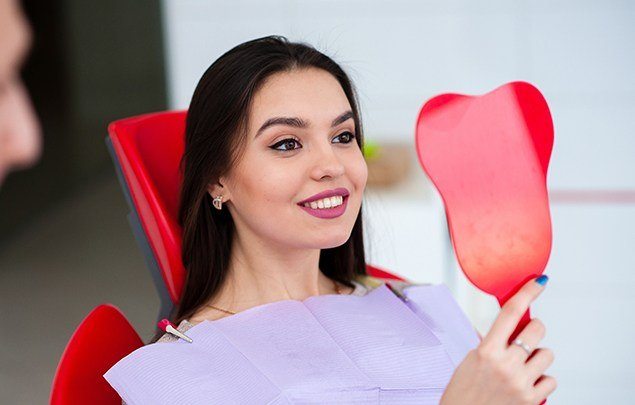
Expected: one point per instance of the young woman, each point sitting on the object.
(271, 211)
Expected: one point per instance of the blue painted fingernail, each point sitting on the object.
(542, 280)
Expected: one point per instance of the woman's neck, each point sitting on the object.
(259, 275)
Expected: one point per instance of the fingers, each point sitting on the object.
(538, 363)
(531, 335)
(512, 312)
(544, 387)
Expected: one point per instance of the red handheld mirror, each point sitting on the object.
(488, 157)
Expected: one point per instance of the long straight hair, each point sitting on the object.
(215, 138)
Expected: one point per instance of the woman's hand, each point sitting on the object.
(498, 373)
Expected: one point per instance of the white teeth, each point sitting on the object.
(325, 203)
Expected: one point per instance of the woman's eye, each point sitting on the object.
(289, 142)
(348, 135)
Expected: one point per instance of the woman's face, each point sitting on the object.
(284, 164)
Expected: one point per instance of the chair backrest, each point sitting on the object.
(147, 150)
(103, 338)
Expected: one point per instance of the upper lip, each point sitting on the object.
(327, 193)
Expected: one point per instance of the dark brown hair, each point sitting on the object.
(215, 136)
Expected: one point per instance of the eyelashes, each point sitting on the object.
(287, 141)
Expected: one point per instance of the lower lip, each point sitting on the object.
(327, 212)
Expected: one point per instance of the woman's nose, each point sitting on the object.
(327, 163)
(20, 143)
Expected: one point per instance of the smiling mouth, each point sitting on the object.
(327, 213)
(325, 204)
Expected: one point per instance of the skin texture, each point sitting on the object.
(276, 250)
(497, 373)
(20, 144)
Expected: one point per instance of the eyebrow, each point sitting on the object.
(299, 122)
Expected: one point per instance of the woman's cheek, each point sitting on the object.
(360, 172)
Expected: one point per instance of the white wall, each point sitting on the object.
(400, 53)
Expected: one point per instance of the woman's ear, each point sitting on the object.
(216, 189)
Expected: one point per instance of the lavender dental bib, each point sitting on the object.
(373, 349)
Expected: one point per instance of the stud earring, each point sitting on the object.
(218, 202)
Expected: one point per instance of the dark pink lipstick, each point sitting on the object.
(327, 213)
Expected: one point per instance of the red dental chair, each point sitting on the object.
(146, 151)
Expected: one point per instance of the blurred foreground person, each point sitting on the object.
(20, 143)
